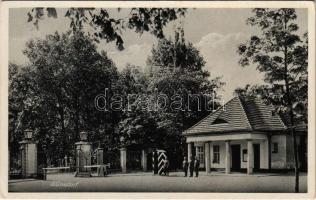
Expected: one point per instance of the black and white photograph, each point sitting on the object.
(159, 99)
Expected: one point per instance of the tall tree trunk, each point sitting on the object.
(293, 133)
(292, 128)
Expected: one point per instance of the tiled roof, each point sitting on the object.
(241, 114)
(261, 116)
(300, 126)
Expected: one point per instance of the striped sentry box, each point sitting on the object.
(161, 158)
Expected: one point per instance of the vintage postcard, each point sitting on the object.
(157, 99)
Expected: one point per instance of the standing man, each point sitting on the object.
(191, 166)
(185, 166)
(196, 166)
(166, 167)
(155, 164)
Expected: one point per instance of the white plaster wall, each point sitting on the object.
(243, 145)
(278, 160)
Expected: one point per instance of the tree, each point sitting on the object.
(21, 100)
(176, 70)
(55, 94)
(279, 52)
(105, 27)
(177, 54)
(136, 125)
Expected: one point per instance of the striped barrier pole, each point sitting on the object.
(161, 158)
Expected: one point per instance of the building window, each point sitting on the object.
(275, 147)
(219, 121)
(244, 155)
(216, 157)
(200, 153)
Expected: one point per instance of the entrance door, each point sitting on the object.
(235, 149)
(256, 155)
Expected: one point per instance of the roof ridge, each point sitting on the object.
(213, 113)
(243, 109)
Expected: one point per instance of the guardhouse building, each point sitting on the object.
(245, 134)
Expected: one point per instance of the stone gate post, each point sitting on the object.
(28, 152)
(83, 155)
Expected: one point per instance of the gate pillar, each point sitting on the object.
(83, 155)
(144, 160)
(28, 152)
(123, 159)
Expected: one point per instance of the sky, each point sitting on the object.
(215, 32)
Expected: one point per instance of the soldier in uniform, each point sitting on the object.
(196, 166)
(166, 167)
(191, 166)
(155, 155)
(185, 166)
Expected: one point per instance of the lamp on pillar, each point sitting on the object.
(28, 152)
(28, 134)
(83, 136)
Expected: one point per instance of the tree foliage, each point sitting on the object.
(57, 91)
(105, 27)
(281, 55)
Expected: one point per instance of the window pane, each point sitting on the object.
(216, 156)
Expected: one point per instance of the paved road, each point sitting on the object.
(145, 182)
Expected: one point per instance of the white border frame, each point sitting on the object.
(124, 4)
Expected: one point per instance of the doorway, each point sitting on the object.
(256, 155)
(235, 149)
